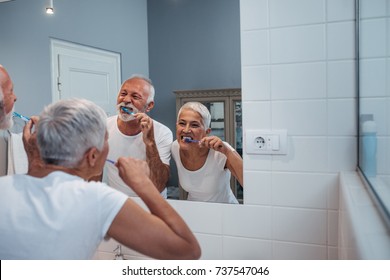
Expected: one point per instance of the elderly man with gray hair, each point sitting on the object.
(133, 133)
(59, 214)
(7, 99)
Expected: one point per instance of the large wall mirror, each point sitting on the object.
(181, 45)
(373, 25)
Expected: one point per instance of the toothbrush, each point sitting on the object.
(110, 161)
(189, 140)
(26, 119)
(126, 110)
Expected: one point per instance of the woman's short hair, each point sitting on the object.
(200, 109)
(67, 129)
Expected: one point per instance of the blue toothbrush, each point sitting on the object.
(189, 140)
(110, 161)
(126, 110)
(26, 119)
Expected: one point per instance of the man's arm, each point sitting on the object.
(35, 163)
(159, 171)
(160, 234)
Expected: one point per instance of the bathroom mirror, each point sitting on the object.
(374, 97)
(182, 45)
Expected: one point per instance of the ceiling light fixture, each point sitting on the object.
(50, 8)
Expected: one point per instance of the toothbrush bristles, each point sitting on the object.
(126, 110)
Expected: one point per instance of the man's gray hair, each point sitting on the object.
(67, 129)
(149, 81)
(200, 109)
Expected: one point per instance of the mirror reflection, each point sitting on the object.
(164, 40)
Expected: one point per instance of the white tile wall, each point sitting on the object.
(342, 117)
(341, 40)
(257, 82)
(255, 47)
(300, 225)
(293, 251)
(363, 233)
(341, 80)
(301, 117)
(260, 192)
(374, 32)
(312, 93)
(298, 81)
(255, 13)
(340, 10)
(298, 44)
(287, 13)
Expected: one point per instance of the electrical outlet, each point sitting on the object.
(260, 143)
(266, 142)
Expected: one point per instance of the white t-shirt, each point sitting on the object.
(122, 145)
(60, 216)
(210, 183)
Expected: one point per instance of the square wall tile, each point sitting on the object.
(236, 248)
(254, 47)
(253, 14)
(307, 117)
(342, 117)
(201, 217)
(383, 156)
(333, 228)
(257, 115)
(256, 83)
(303, 190)
(379, 108)
(257, 188)
(333, 253)
(305, 154)
(298, 44)
(373, 35)
(340, 10)
(211, 246)
(341, 79)
(298, 81)
(298, 251)
(257, 162)
(373, 77)
(373, 8)
(247, 221)
(333, 192)
(287, 13)
(342, 154)
(341, 40)
(300, 225)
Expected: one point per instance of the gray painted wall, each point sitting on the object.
(193, 44)
(25, 32)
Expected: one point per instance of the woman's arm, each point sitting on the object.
(234, 161)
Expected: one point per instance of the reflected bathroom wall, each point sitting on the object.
(374, 97)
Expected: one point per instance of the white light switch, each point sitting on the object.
(266, 142)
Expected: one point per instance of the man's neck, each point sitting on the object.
(129, 128)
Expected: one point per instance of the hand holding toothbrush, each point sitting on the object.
(35, 163)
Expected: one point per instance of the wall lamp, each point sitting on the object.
(50, 8)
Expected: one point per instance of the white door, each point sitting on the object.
(85, 72)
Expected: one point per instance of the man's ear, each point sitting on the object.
(208, 131)
(92, 156)
(150, 106)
